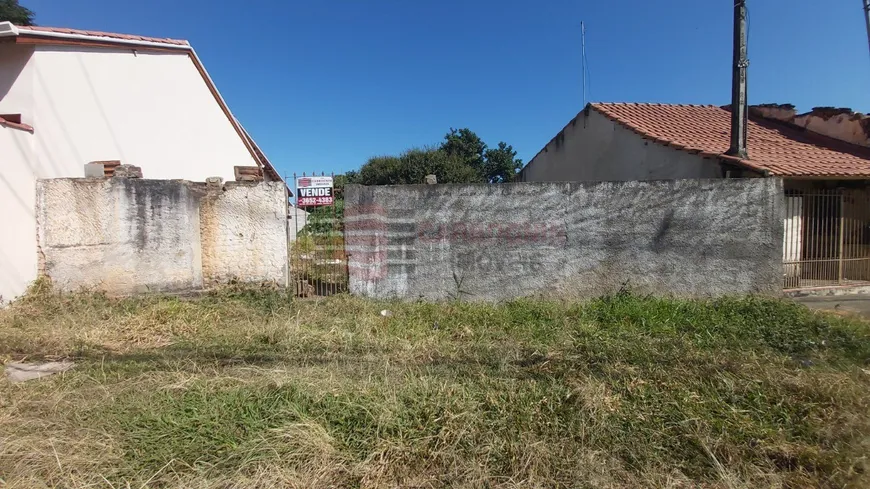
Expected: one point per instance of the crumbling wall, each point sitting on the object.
(493, 242)
(838, 123)
(127, 236)
(244, 233)
(122, 236)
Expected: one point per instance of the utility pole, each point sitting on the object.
(739, 104)
(867, 18)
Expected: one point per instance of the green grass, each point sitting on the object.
(251, 388)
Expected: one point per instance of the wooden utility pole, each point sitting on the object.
(739, 105)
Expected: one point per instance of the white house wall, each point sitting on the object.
(16, 81)
(86, 104)
(18, 173)
(594, 148)
(145, 109)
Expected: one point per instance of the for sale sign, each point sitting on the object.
(313, 191)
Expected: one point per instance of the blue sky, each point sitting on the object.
(323, 85)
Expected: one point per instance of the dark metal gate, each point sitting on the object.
(318, 263)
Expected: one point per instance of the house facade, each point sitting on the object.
(70, 97)
(822, 157)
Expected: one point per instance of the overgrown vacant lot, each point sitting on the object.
(250, 388)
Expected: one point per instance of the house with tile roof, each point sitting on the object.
(69, 97)
(822, 156)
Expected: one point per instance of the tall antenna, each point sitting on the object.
(583, 58)
(867, 17)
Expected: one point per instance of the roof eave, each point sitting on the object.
(7, 29)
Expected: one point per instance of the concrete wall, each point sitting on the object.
(244, 234)
(296, 221)
(594, 148)
(118, 235)
(491, 242)
(127, 236)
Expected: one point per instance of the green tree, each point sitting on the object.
(11, 11)
(412, 166)
(467, 146)
(493, 165)
(501, 164)
(461, 158)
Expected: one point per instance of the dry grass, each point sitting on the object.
(249, 388)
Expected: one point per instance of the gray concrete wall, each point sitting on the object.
(126, 236)
(594, 148)
(493, 242)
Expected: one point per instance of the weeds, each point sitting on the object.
(251, 388)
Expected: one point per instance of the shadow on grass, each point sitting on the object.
(194, 358)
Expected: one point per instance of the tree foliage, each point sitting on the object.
(11, 11)
(462, 157)
(501, 163)
(412, 166)
(467, 146)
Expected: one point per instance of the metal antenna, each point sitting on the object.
(867, 18)
(583, 57)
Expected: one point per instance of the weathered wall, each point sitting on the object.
(244, 234)
(128, 236)
(594, 148)
(118, 235)
(838, 123)
(491, 242)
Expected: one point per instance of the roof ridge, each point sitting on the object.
(101, 34)
(651, 104)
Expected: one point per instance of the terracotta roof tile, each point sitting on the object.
(773, 147)
(109, 35)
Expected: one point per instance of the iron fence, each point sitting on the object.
(318, 263)
(826, 239)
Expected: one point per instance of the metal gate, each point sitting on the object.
(826, 238)
(318, 263)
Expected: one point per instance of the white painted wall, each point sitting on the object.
(16, 81)
(146, 109)
(296, 220)
(150, 110)
(18, 173)
(594, 148)
(792, 241)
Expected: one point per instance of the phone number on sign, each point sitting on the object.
(308, 201)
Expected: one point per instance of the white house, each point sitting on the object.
(69, 97)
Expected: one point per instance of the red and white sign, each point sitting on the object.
(314, 191)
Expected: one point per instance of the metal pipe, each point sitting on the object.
(867, 18)
(739, 104)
